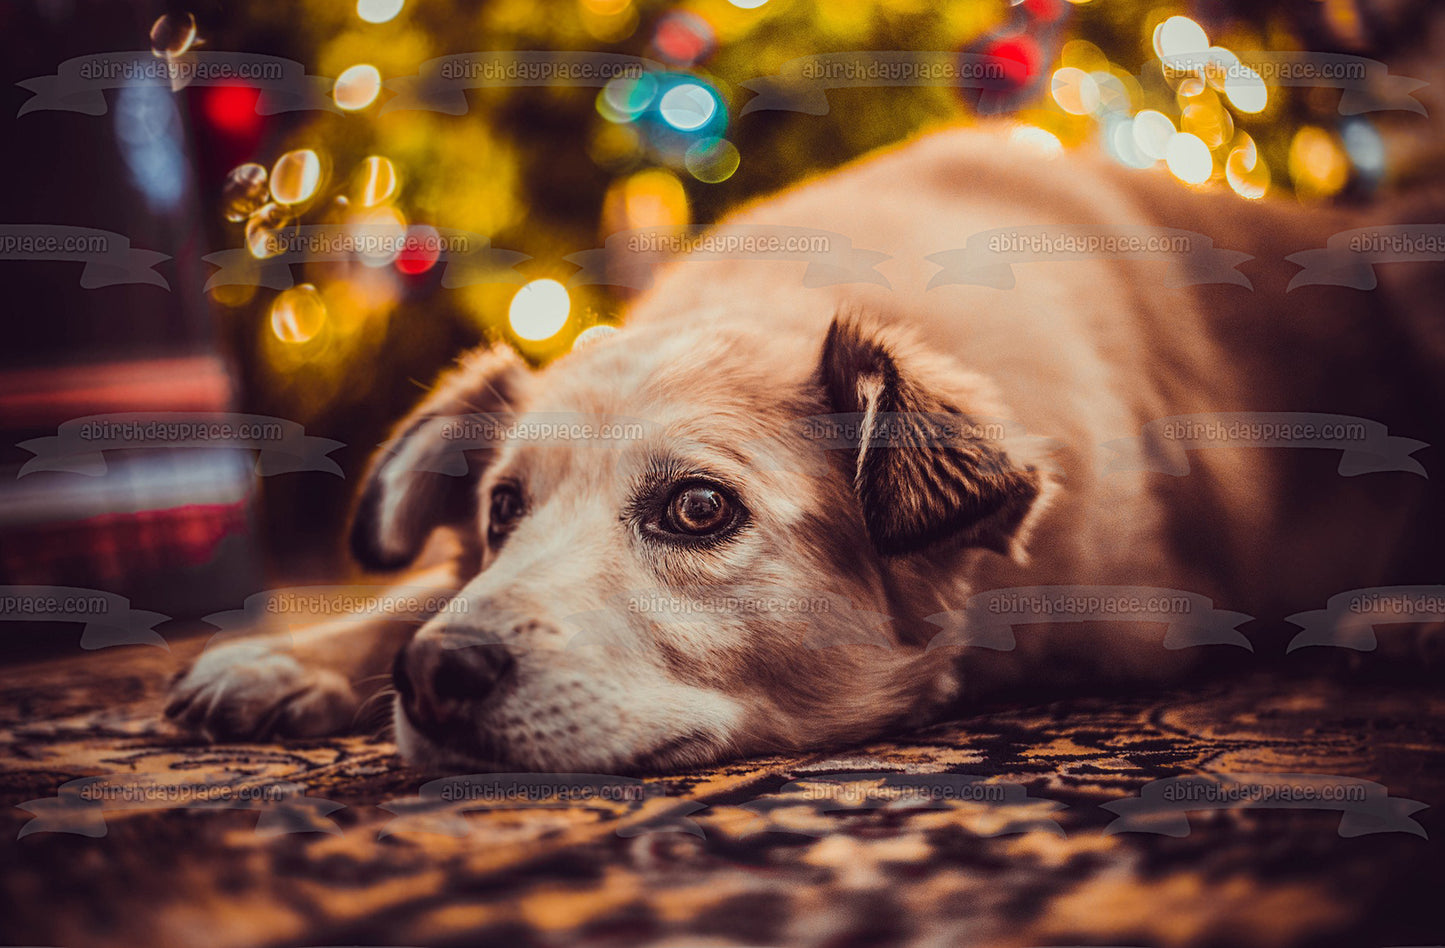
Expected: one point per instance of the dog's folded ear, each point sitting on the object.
(420, 481)
(916, 487)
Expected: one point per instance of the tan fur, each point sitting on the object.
(721, 357)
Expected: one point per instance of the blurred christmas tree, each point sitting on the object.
(551, 169)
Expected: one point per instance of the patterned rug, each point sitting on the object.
(1083, 822)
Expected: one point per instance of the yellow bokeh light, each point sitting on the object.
(1188, 159)
(1152, 133)
(295, 176)
(380, 234)
(1038, 140)
(378, 11)
(539, 310)
(173, 35)
(357, 87)
(593, 334)
(298, 314)
(1246, 90)
(267, 230)
(374, 181)
(1076, 91)
(1207, 118)
(1317, 163)
(1179, 36)
(1245, 170)
(712, 160)
(652, 198)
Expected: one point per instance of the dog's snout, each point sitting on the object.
(439, 678)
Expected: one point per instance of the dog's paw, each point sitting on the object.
(247, 691)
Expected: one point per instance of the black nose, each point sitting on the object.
(442, 677)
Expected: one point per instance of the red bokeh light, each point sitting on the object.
(231, 109)
(421, 251)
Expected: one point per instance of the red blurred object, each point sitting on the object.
(1045, 11)
(683, 37)
(1022, 57)
(421, 251)
(231, 109)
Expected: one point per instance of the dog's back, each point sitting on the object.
(1091, 351)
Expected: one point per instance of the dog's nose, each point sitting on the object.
(439, 678)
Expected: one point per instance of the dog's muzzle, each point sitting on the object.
(442, 680)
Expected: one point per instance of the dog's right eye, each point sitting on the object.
(506, 509)
(699, 509)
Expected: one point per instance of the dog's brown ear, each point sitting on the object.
(917, 489)
(421, 480)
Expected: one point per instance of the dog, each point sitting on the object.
(723, 356)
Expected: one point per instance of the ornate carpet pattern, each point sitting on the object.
(1038, 826)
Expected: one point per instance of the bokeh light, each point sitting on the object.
(295, 176)
(1179, 37)
(1245, 169)
(421, 251)
(298, 314)
(1041, 141)
(374, 181)
(1246, 90)
(688, 106)
(712, 160)
(267, 229)
(1208, 119)
(593, 334)
(624, 99)
(684, 38)
(380, 233)
(1318, 165)
(357, 87)
(1153, 131)
(244, 192)
(539, 310)
(378, 11)
(173, 35)
(1076, 91)
(1189, 159)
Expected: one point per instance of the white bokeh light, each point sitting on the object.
(539, 310)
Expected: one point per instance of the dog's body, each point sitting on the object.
(722, 357)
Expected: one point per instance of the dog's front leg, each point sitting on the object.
(307, 682)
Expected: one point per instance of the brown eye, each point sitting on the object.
(507, 508)
(699, 509)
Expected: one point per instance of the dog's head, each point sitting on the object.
(663, 570)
